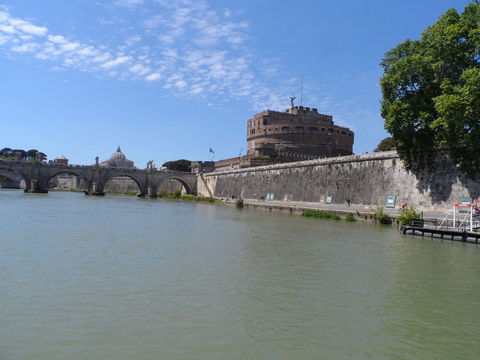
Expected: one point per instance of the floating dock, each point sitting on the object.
(454, 235)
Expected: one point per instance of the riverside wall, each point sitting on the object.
(363, 179)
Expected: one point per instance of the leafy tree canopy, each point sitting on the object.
(386, 144)
(431, 92)
(178, 165)
(8, 153)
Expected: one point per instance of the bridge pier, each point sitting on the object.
(152, 191)
(95, 190)
(34, 186)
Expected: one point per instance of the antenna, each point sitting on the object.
(301, 93)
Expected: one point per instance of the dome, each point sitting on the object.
(118, 155)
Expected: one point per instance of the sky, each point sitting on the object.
(170, 79)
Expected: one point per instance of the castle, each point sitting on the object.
(298, 133)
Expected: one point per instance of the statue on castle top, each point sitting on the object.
(291, 100)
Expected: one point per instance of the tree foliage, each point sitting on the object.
(8, 153)
(431, 92)
(386, 144)
(178, 165)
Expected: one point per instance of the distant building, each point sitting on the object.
(118, 159)
(299, 133)
(62, 160)
(202, 166)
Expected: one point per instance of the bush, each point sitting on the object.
(320, 214)
(188, 197)
(177, 193)
(350, 218)
(162, 193)
(381, 217)
(239, 203)
(408, 215)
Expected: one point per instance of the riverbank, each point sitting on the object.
(360, 212)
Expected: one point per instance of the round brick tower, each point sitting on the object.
(299, 131)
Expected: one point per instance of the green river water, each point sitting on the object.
(126, 278)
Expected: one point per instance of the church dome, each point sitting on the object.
(118, 155)
(118, 160)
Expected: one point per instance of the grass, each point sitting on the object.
(350, 218)
(320, 214)
(187, 197)
(120, 192)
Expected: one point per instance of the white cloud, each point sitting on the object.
(115, 62)
(88, 51)
(185, 46)
(128, 3)
(153, 77)
(9, 29)
(101, 58)
(180, 84)
(58, 39)
(27, 47)
(139, 69)
(27, 27)
(70, 46)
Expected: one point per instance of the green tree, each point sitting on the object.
(431, 93)
(178, 165)
(386, 144)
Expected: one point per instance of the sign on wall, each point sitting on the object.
(328, 199)
(390, 201)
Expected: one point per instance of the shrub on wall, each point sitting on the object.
(239, 203)
(408, 215)
(320, 214)
(381, 217)
(350, 218)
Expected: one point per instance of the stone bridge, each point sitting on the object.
(37, 175)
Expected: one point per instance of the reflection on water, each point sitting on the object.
(127, 278)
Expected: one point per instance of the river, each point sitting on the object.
(126, 278)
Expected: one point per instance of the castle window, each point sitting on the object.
(323, 129)
(285, 128)
(312, 128)
(299, 128)
(344, 133)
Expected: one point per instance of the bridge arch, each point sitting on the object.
(67, 171)
(142, 186)
(11, 180)
(185, 184)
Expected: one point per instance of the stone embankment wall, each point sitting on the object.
(363, 179)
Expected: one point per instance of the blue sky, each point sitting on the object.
(170, 79)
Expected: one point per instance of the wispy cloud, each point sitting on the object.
(183, 46)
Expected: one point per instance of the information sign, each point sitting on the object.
(390, 201)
